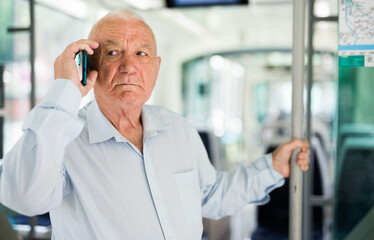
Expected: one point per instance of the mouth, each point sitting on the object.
(127, 84)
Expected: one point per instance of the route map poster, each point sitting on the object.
(356, 33)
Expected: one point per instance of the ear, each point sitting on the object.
(158, 64)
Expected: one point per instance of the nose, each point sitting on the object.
(127, 65)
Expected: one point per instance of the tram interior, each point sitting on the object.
(228, 70)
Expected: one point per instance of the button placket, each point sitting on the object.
(157, 195)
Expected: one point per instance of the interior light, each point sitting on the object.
(217, 62)
(322, 9)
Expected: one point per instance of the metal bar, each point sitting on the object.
(2, 93)
(309, 79)
(308, 176)
(33, 220)
(2, 103)
(326, 19)
(296, 176)
(32, 52)
(18, 29)
(321, 201)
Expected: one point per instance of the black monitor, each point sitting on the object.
(197, 3)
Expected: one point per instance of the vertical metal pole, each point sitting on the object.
(308, 176)
(296, 177)
(32, 52)
(2, 104)
(33, 220)
(309, 81)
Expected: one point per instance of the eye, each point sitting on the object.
(141, 53)
(113, 53)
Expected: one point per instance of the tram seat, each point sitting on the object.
(355, 180)
(354, 130)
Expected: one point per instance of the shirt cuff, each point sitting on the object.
(271, 179)
(269, 161)
(63, 95)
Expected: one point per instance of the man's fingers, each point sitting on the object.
(281, 156)
(305, 161)
(303, 164)
(303, 157)
(297, 143)
(65, 65)
(304, 153)
(304, 168)
(83, 44)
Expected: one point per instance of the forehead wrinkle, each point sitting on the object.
(110, 42)
(146, 46)
(109, 27)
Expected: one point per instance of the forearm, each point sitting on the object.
(247, 184)
(31, 181)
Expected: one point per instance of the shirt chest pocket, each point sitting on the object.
(190, 195)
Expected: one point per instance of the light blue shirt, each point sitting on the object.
(98, 185)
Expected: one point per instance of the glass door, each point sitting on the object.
(354, 191)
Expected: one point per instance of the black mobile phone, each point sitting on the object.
(81, 60)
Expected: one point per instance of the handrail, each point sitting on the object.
(298, 65)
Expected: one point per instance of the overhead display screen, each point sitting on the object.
(196, 3)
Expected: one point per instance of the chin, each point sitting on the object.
(129, 101)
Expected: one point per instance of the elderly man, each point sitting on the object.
(118, 169)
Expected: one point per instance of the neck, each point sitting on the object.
(122, 118)
(127, 121)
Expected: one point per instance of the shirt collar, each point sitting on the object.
(101, 129)
(153, 121)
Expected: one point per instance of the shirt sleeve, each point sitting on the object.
(33, 175)
(225, 193)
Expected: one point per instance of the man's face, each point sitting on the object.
(127, 63)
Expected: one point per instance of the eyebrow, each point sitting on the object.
(115, 43)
